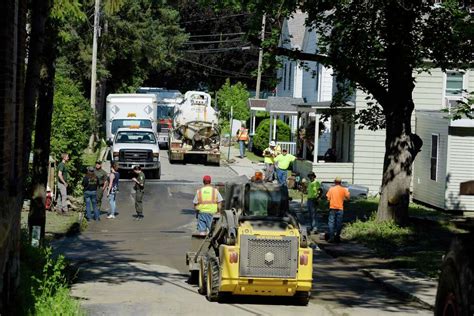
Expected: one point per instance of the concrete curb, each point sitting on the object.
(397, 281)
(402, 292)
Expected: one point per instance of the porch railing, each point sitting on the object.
(289, 146)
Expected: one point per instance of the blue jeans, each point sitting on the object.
(204, 221)
(242, 148)
(335, 222)
(112, 203)
(282, 175)
(90, 197)
(312, 204)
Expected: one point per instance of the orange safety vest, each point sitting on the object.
(207, 200)
(244, 134)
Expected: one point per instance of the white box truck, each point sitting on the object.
(130, 110)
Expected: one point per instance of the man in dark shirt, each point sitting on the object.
(101, 175)
(139, 187)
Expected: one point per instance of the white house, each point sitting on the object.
(360, 152)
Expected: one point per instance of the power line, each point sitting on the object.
(216, 50)
(217, 69)
(216, 18)
(213, 42)
(219, 34)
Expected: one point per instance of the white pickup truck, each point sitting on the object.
(137, 146)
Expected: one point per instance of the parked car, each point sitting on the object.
(356, 191)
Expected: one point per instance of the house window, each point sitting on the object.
(434, 156)
(454, 83)
(289, 77)
(284, 78)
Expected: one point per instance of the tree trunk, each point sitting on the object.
(401, 145)
(41, 151)
(39, 14)
(401, 148)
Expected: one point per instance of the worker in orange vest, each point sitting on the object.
(336, 196)
(243, 139)
(207, 202)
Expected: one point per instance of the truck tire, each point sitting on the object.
(202, 280)
(157, 174)
(213, 279)
(302, 298)
(455, 295)
(194, 277)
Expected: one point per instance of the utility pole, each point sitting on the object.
(260, 59)
(94, 72)
(94, 55)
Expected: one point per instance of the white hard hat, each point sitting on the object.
(272, 143)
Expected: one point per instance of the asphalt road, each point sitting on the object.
(138, 267)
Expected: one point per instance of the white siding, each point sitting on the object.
(330, 170)
(460, 168)
(429, 90)
(297, 80)
(424, 189)
(325, 84)
(368, 153)
(325, 171)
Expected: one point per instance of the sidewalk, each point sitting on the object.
(241, 166)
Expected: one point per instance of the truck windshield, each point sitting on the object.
(168, 94)
(119, 123)
(262, 200)
(135, 137)
(165, 112)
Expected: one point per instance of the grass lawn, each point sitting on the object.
(253, 157)
(56, 225)
(420, 245)
(89, 159)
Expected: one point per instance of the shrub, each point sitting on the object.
(260, 140)
(44, 288)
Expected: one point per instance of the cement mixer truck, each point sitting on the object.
(195, 130)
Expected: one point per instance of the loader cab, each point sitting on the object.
(263, 199)
(257, 199)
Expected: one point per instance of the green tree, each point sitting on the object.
(71, 122)
(236, 96)
(260, 141)
(379, 46)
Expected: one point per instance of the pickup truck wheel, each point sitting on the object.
(202, 280)
(213, 279)
(157, 173)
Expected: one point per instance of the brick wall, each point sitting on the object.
(12, 56)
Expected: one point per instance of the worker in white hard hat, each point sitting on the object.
(269, 155)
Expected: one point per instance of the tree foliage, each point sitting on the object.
(378, 47)
(137, 38)
(260, 140)
(235, 96)
(72, 121)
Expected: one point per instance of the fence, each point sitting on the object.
(289, 146)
